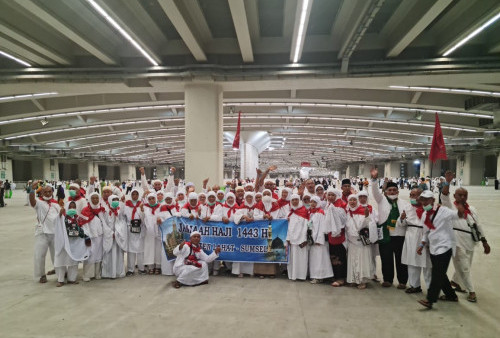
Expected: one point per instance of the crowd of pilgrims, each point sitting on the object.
(333, 234)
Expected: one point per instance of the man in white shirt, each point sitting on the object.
(47, 213)
(462, 261)
(439, 236)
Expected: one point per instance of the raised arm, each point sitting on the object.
(144, 181)
(377, 195)
(170, 184)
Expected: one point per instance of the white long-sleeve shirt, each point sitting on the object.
(384, 208)
(442, 238)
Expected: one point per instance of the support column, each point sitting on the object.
(348, 172)
(50, 169)
(498, 167)
(473, 168)
(251, 145)
(127, 172)
(203, 128)
(6, 172)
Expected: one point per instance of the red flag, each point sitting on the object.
(438, 149)
(236, 142)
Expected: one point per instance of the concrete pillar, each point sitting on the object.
(348, 171)
(203, 128)
(127, 172)
(425, 167)
(50, 169)
(6, 172)
(473, 168)
(498, 167)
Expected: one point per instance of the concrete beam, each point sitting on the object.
(239, 16)
(421, 15)
(415, 97)
(178, 20)
(24, 53)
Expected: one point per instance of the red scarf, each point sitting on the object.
(49, 201)
(427, 221)
(82, 192)
(89, 213)
(168, 208)
(274, 207)
(275, 196)
(316, 210)
(360, 210)
(232, 210)
(130, 204)
(302, 212)
(282, 202)
(74, 199)
(240, 202)
(212, 207)
(153, 209)
(419, 210)
(467, 211)
(114, 211)
(339, 203)
(190, 208)
(192, 259)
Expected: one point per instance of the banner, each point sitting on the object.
(259, 241)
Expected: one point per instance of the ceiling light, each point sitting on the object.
(418, 116)
(44, 121)
(472, 34)
(25, 96)
(450, 90)
(113, 23)
(12, 57)
(299, 42)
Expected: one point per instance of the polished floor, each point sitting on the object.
(147, 306)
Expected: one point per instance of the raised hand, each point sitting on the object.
(141, 170)
(374, 173)
(449, 176)
(182, 244)
(272, 168)
(403, 215)
(367, 212)
(217, 250)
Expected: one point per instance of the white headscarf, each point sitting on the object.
(110, 198)
(92, 205)
(295, 196)
(249, 193)
(357, 202)
(230, 194)
(169, 195)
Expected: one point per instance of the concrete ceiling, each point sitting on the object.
(370, 77)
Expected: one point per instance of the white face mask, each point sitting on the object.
(392, 197)
(267, 199)
(47, 198)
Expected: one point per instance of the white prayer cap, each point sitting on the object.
(151, 194)
(316, 199)
(107, 188)
(202, 193)
(258, 193)
(135, 189)
(220, 192)
(195, 233)
(156, 181)
(48, 185)
(193, 196)
(189, 184)
(160, 192)
(362, 193)
(169, 195)
(267, 190)
(181, 191)
(212, 193)
(295, 197)
(74, 185)
(116, 191)
(427, 194)
(111, 198)
(249, 193)
(337, 192)
(239, 188)
(93, 194)
(230, 194)
(353, 196)
(318, 186)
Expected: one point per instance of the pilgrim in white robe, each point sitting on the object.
(114, 244)
(190, 274)
(320, 265)
(135, 235)
(94, 230)
(239, 268)
(152, 239)
(69, 251)
(272, 209)
(296, 236)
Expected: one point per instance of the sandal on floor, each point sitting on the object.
(472, 299)
(51, 272)
(445, 298)
(337, 284)
(362, 286)
(457, 287)
(43, 279)
(74, 282)
(425, 303)
(151, 271)
(176, 284)
(157, 271)
(414, 290)
(59, 284)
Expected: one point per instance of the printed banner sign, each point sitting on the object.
(259, 241)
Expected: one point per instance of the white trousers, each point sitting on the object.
(414, 273)
(72, 272)
(91, 270)
(462, 261)
(132, 258)
(43, 242)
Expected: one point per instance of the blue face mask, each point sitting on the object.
(115, 204)
(153, 205)
(71, 212)
(307, 205)
(427, 207)
(413, 201)
(72, 193)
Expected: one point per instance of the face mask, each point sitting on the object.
(307, 205)
(71, 212)
(267, 199)
(427, 207)
(392, 197)
(72, 193)
(153, 205)
(115, 204)
(160, 201)
(211, 204)
(413, 201)
(47, 198)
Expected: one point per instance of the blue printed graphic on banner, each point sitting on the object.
(259, 241)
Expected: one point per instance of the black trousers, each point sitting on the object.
(390, 252)
(2, 203)
(440, 279)
(338, 257)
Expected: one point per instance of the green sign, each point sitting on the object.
(2, 174)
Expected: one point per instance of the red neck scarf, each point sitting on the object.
(316, 210)
(274, 207)
(360, 210)
(302, 212)
(428, 216)
(282, 202)
(49, 201)
(192, 259)
(190, 207)
(113, 211)
(74, 199)
(130, 204)
(340, 203)
(419, 210)
(467, 211)
(212, 207)
(153, 209)
(89, 213)
(232, 209)
(167, 208)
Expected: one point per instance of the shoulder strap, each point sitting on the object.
(434, 215)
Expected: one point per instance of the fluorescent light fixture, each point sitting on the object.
(25, 96)
(12, 57)
(451, 90)
(113, 23)
(416, 162)
(472, 34)
(301, 31)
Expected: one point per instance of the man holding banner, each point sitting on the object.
(190, 266)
